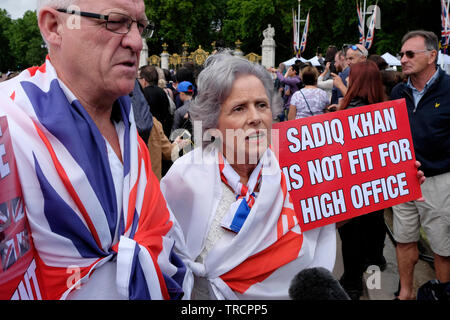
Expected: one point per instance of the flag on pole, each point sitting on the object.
(371, 31)
(296, 36)
(362, 38)
(445, 26)
(305, 35)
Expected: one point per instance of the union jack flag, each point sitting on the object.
(15, 244)
(445, 34)
(371, 31)
(76, 215)
(362, 38)
(305, 35)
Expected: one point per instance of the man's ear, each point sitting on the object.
(433, 57)
(50, 26)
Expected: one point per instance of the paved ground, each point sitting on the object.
(384, 287)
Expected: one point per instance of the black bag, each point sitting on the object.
(434, 290)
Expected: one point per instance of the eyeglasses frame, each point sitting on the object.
(412, 53)
(150, 26)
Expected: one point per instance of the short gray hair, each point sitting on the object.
(431, 40)
(56, 4)
(215, 83)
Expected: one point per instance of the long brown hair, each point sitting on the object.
(365, 83)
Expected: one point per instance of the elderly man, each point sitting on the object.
(98, 220)
(354, 54)
(428, 101)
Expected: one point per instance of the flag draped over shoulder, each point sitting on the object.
(70, 198)
(261, 259)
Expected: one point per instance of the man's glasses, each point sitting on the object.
(118, 22)
(411, 53)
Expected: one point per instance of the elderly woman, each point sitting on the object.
(243, 240)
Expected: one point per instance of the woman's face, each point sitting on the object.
(245, 121)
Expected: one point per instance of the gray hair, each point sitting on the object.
(56, 4)
(215, 83)
(430, 38)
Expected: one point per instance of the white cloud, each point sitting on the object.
(16, 8)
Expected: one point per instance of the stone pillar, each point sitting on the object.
(144, 54)
(238, 52)
(165, 57)
(268, 48)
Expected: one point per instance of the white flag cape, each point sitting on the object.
(261, 260)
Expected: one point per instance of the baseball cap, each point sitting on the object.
(185, 86)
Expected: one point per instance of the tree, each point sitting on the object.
(177, 22)
(6, 59)
(331, 23)
(25, 41)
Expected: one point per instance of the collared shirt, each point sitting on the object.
(417, 95)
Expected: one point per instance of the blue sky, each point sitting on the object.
(16, 8)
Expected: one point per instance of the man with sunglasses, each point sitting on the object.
(99, 222)
(427, 95)
(353, 54)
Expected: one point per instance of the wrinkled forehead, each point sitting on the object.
(134, 8)
(416, 43)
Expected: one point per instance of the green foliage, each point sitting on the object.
(331, 23)
(6, 59)
(20, 42)
(25, 41)
(202, 22)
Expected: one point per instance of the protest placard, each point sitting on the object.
(18, 279)
(348, 163)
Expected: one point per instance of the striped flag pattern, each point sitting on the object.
(362, 38)
(305, 35)
(371, 31)
(70, 197)
(261, 259)
(445, 21)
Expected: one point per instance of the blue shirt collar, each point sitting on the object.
(427, 86)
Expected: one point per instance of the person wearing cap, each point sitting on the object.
(181, 116)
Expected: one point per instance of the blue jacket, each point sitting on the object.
(430, 124)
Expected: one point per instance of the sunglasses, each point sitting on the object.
(411, 53)
(355, 48)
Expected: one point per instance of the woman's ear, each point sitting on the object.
(50, 26)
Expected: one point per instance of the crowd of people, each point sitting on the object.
(97, 145)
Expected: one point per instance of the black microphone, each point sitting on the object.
(316, 284)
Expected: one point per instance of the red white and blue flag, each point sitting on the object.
(362, 37)
(445, 20)
(296, 35)
(71, 203)
(305, 35)
(371, 31)
(269, 249)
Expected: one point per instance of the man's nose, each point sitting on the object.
(133, 38)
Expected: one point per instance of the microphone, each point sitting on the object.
(316, 284)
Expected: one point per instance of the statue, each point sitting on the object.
(269, 33)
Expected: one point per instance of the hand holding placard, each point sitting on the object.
(349, 163)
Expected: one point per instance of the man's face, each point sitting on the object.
(338, 62)
(98, 59)
(354, 56)
(422, 59)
